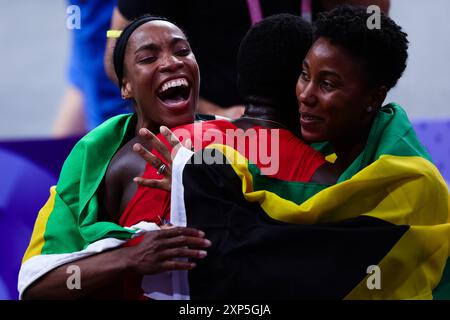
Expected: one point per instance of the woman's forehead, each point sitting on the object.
(325, 50)
(156, 30)
(333, 56)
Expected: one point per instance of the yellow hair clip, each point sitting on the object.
(113, 33)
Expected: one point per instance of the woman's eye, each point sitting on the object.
(327, 86)
(147, 59)
(304, 76)
(184, 52)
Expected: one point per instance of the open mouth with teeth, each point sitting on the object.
(309, 117)
(174, 93)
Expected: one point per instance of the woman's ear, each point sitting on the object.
(126, 89)
(378, 96)
(375, 99)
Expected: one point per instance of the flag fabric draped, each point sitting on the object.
(70, 226)
(382, 232)
(73, 224)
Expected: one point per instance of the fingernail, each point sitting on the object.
(136, 179)
(193, 265)
(202, 253)
(207, 242)
(136, 147)
(201, 234)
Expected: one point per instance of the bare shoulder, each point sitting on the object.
(118, 187)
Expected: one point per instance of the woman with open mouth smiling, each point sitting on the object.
(158, 71)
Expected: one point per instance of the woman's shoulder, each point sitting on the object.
(100, 144)
(111, 128)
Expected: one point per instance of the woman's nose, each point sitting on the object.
(306, 94)
(171, 63)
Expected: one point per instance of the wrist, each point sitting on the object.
(127, 259)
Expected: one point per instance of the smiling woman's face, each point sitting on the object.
(161, 75)
(333, 94)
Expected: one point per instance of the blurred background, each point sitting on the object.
(35, 44)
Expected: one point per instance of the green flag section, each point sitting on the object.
(69, 223)
(382, 232)
(71, 213)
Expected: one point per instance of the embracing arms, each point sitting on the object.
(155, 254)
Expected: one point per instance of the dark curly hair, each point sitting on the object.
(270, 58)
(383, 51)
(269, 63)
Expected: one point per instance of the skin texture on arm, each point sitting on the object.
(155, 254)
(118, 22)
(383, 4)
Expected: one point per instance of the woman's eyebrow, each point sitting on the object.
(148, 46)
(175, 40)
(155, 47)
(325, 73)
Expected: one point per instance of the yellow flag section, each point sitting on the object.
(37, 238)
(400, 190)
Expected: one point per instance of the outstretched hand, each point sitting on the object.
(168, 249)
(163, 167)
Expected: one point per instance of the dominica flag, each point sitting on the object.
(73, 224)
(381, 232)
(69, 226)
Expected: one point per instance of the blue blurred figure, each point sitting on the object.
(91, 97)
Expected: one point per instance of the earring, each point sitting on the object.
(369, 109)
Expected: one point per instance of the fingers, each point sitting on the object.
(177, 265)
(163, 184)
(169, 249)
(183, 253)
(156, 143)
(182, 241)
(180, 231)
(173, 140)
(170, 137)
(153, 160)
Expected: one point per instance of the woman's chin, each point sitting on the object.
(181, 119)
(312, 137)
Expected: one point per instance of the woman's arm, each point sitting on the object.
(155, 254)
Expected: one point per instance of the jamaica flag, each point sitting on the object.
(382, 232)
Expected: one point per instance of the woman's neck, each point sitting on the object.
(347, 151)
(261, 115)
(145, 124)
(262, 112)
